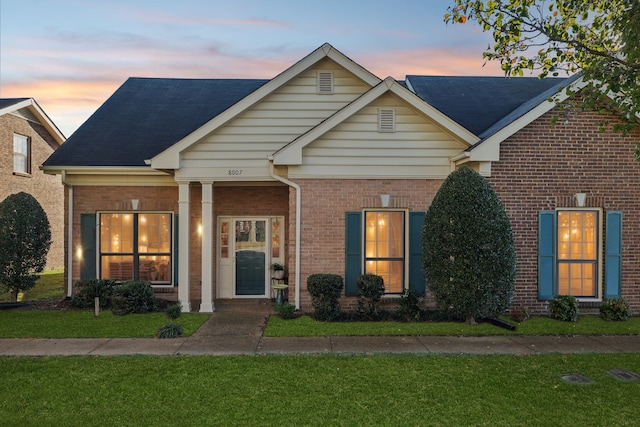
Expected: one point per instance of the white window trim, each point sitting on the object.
(26, 156)
(600, 252)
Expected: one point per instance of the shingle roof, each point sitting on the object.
(7, 102)
(145, 116)
(477, 103)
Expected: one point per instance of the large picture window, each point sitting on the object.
(385, 247)
(135, 246)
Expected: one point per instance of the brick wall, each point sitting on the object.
(47, 189)
(542, 167)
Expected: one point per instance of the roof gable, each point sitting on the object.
(170, 158)
(291, 154)
(29, 109)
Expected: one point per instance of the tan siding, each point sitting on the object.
(292, 110)
(418, 148)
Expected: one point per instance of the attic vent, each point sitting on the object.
(26, 114)
(325, 82)
(386, 120)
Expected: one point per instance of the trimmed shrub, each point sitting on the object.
(169, 330)
(519, 314)
(286, 311)
(370, 291)
(565, 307)
(615, 309)
(468, 249)
(409, 306)
(325, 290)
(135, 296)
(174, 311)
(89, 289)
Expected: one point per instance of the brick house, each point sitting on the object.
(28, 137)
(200, 185)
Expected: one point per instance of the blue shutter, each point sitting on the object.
(416, 275)
(176, 246)
(546, 254)
(353, 248)
(613, 254)
(88, 240)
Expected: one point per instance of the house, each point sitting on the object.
(27, 138)
(199, 185)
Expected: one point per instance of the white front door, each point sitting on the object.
(246, 248)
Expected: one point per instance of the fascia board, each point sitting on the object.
(102, 170)
(170, 158)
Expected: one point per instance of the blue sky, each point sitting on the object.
(71, 55)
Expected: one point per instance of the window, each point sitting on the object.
(385, 248)
(21, 154)
(572, 256)
(387, 243)
(135, 246)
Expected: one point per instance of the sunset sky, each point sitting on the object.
(71, 55)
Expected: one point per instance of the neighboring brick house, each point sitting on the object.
(199, 185)
(28, 137)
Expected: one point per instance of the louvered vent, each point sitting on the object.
(325, 82)
(387, 120)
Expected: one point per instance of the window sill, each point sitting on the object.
(22, 174)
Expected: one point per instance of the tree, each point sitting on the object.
(468, 252)
(598, 38)
(25, 239)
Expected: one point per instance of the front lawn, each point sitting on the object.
(83, 324)
(50, 286)
(305, 326)
(317, 391)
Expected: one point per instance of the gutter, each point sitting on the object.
(298, 225)
(69, 236)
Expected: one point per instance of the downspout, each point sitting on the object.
(273, 174)
(69, 236)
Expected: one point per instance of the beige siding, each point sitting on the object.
(244, 143)
(355, 149)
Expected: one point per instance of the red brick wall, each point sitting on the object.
(542, 167)
(47, 189)
(324, 203)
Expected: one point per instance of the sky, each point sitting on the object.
(71, 55)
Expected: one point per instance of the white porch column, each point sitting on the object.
(183, 246)
(207, 248)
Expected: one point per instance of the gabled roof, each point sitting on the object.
(479, 103)
(170, 159)
(15, 105)
(146, 116)
(291, 154)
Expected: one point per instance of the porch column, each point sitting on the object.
(183, 246)
(206, 305)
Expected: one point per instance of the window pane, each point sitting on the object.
(154, 268)
(20, 154)
(154, 232)
(116, 233)
(117, 268)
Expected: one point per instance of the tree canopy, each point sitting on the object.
(25, 239)
(598, 38)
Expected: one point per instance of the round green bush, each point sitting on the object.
(616, 309)
(565, 307)
(170, 330)
(325, 290)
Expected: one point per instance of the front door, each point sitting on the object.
(246, 248)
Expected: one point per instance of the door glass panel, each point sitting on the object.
(251, 259)
(224, 239)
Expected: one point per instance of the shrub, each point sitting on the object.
(25, 239)
(174, 311)
(409, 305)
(565, 307)
(468, 248)
(169, 330)
(325, 290)
(286, 310)
(519, 314)
(133, 297)
(89, 289)
(370, 291)
(615, 309)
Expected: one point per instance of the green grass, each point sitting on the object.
(49, 286)
(317, 391)
(306, 326)
(83, 324)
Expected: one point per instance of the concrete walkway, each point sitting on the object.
(237, 330)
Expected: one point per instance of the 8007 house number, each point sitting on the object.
(235, 171)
